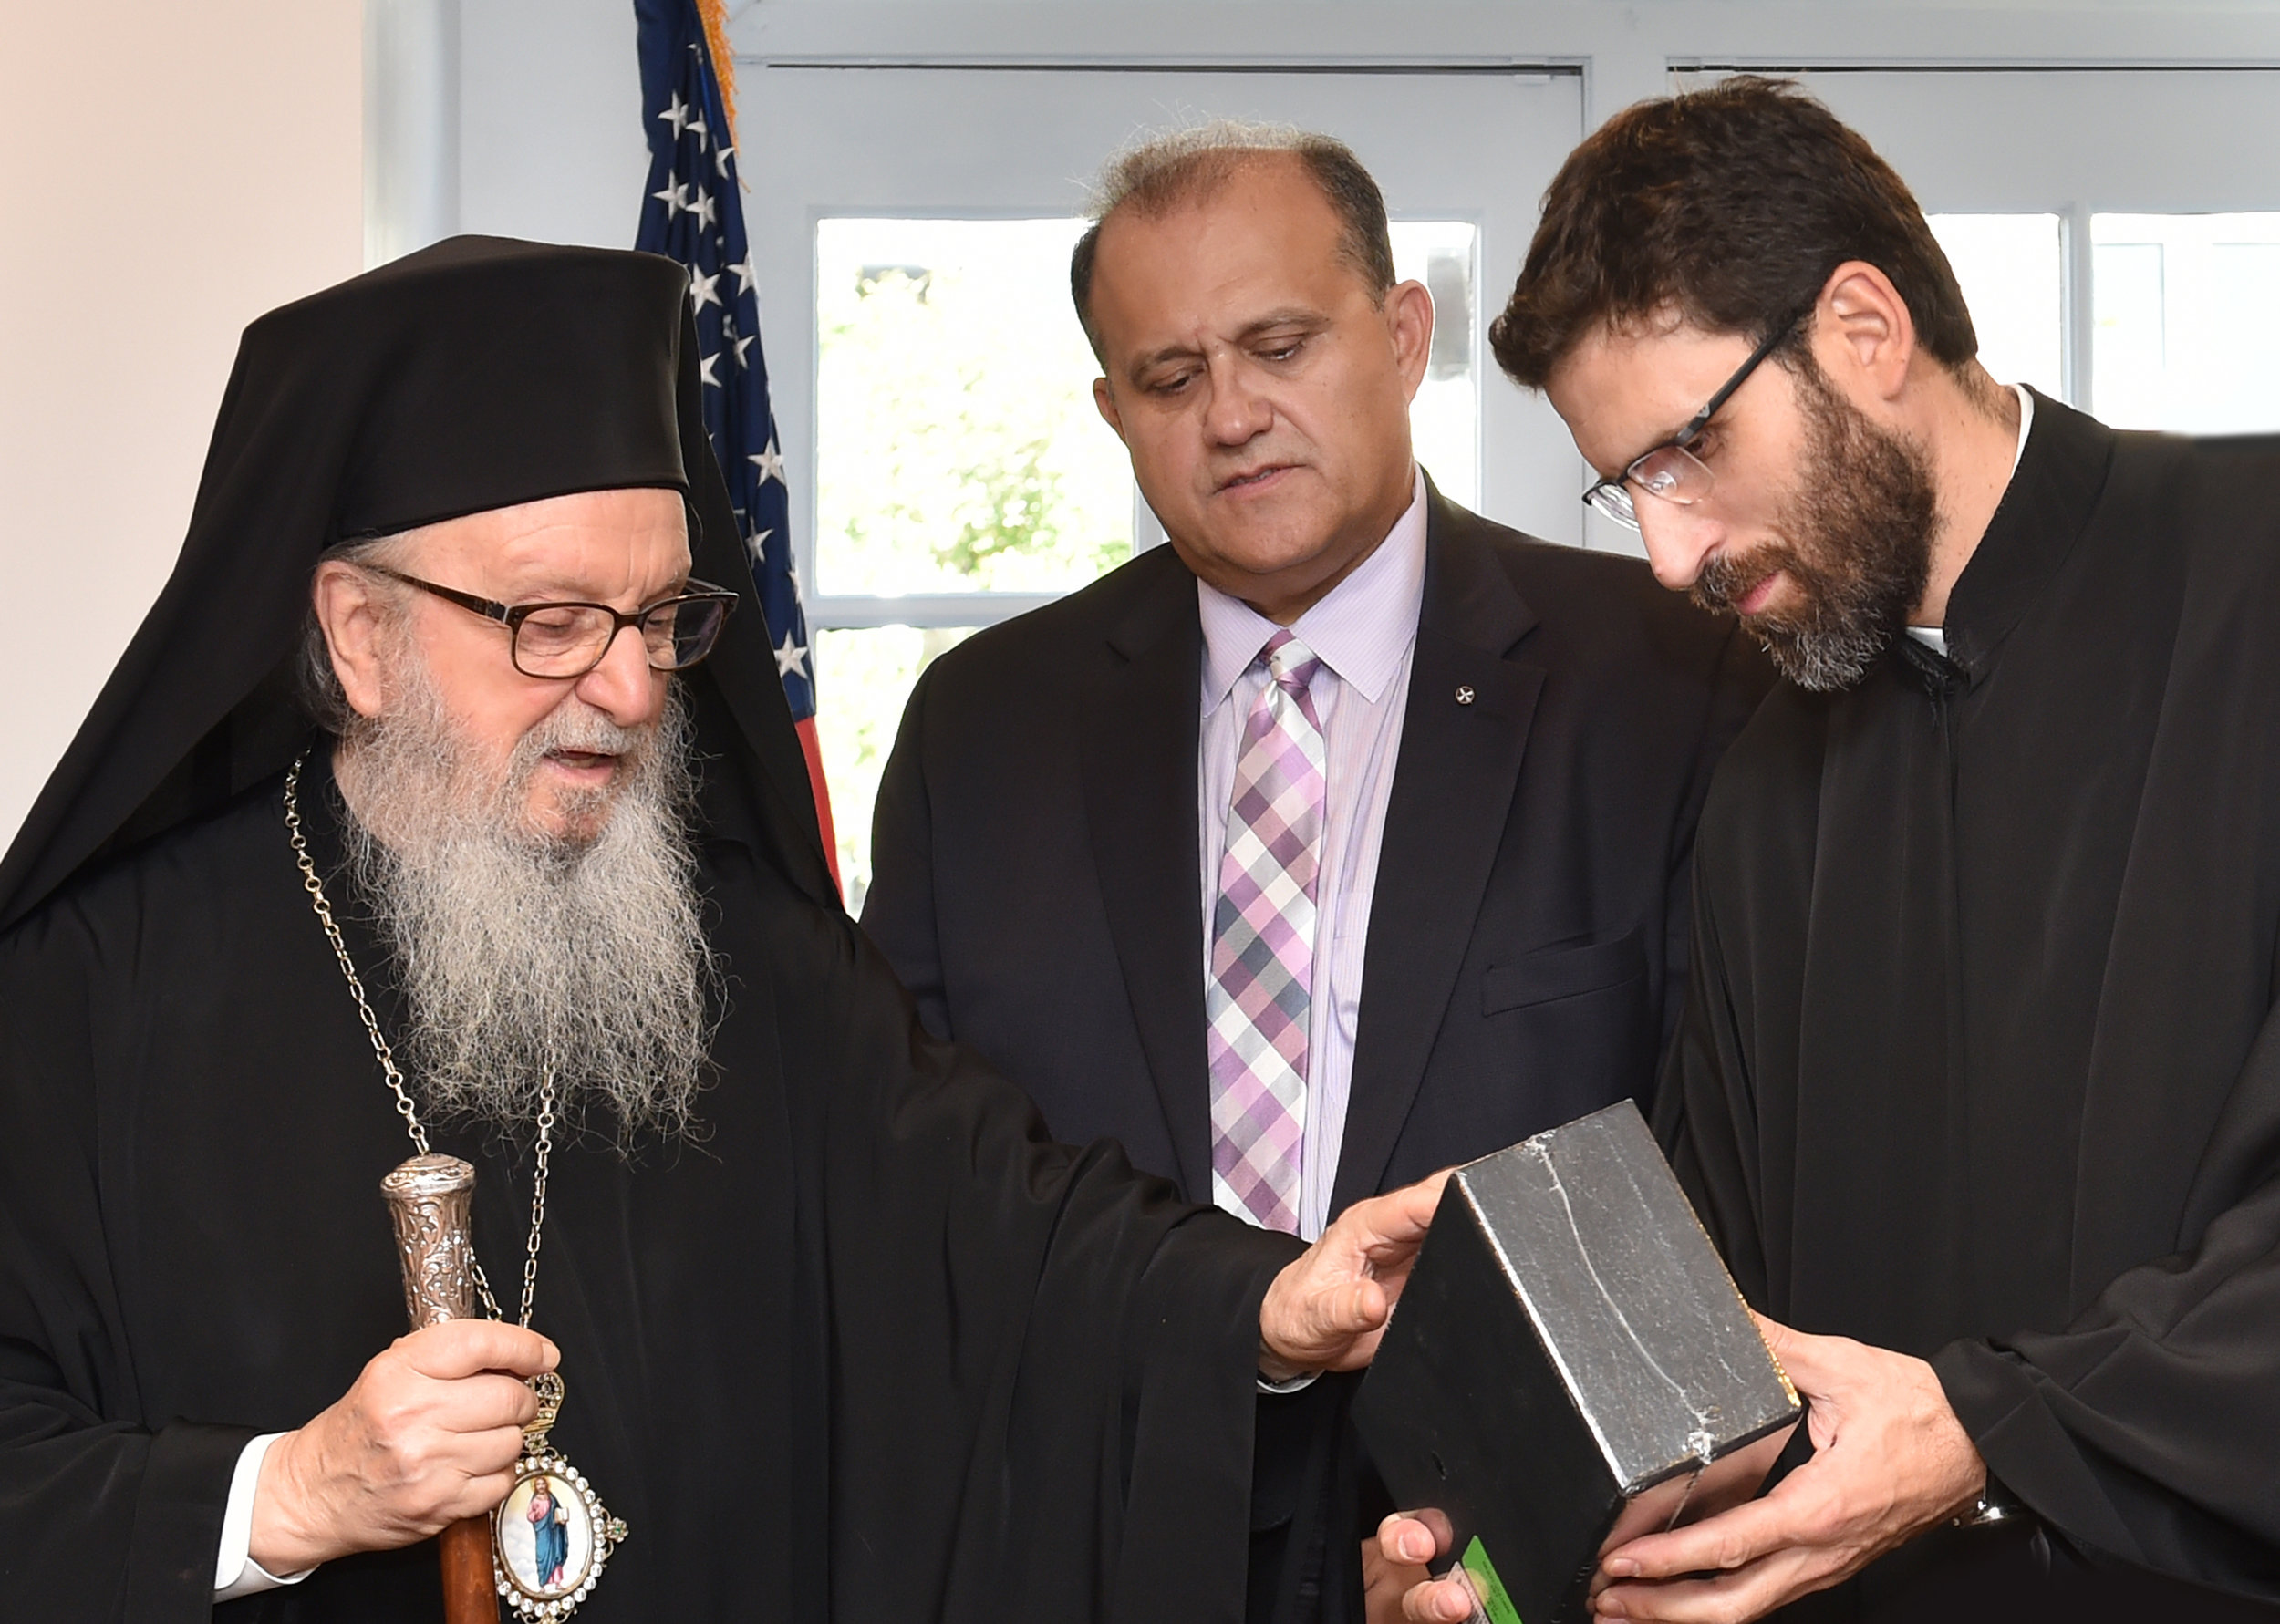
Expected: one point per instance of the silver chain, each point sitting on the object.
(387, 1057)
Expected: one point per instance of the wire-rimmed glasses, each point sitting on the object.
(569, 639)
(1669, 470)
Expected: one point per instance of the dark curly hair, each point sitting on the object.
(1729, 206)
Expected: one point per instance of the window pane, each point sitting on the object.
(868, 674)
(2013, 272)
(2179, 345)
(1445, 418)
(957, 445)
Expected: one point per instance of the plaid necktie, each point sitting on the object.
(1262, 947)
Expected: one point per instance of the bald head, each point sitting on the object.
(1190, 167)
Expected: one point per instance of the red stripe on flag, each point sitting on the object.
(808, 748)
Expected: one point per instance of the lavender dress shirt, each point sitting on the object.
(1364, 630)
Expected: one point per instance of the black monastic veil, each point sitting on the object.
(872, 1347)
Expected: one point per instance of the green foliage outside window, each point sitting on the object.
(958, 451)
(960, 448)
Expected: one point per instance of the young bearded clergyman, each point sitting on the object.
(1979, 1078)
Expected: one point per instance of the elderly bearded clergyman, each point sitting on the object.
(842, 1335)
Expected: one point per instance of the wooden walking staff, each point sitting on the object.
(427, 1197)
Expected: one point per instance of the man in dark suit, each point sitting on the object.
(1343, 839)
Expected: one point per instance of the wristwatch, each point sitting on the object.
(1995, 1505)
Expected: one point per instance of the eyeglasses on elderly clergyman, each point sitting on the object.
(1669, 470)
(565, 640)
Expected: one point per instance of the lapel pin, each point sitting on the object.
(1464, 694)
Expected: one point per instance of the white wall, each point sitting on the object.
(170, 172)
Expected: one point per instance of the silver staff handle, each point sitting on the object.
(429, 1197)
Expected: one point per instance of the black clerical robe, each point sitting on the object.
(869, 1348)
(1982, 1060)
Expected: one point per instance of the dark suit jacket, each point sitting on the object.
(1036, 879)
(1037, 887)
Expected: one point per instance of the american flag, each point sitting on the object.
(694, 213)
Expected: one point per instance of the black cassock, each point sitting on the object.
(1981, 1061)
(873, 1349)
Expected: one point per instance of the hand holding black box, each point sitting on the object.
(1569, 1365)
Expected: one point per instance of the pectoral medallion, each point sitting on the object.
(552, 1536)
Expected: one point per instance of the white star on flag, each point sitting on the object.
(698, 160)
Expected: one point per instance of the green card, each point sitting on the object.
(1494, 1599)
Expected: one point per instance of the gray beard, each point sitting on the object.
(521, 956)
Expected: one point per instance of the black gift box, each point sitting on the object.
(1567, 1362)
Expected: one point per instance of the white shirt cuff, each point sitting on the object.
(1294, 1384)
(235, 1573)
